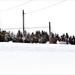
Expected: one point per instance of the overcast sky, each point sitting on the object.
(61, 14)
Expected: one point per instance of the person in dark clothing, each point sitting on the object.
(1, 37)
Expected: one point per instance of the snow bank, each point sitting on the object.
(21, 58)
(21, 47)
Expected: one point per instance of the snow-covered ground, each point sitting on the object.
(21, 58)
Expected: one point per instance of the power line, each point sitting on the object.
(45, 7)
(16, 6)
(26, 28)
(37, 27)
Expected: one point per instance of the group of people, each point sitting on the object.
(63, 39)
(37, 37)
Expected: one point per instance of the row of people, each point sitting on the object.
(37, 37)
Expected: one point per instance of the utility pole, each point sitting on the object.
(49, 31)
(23, 22)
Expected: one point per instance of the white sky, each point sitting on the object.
(61, 16)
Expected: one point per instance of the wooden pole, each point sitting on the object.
(23, 22)
(49, 31)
